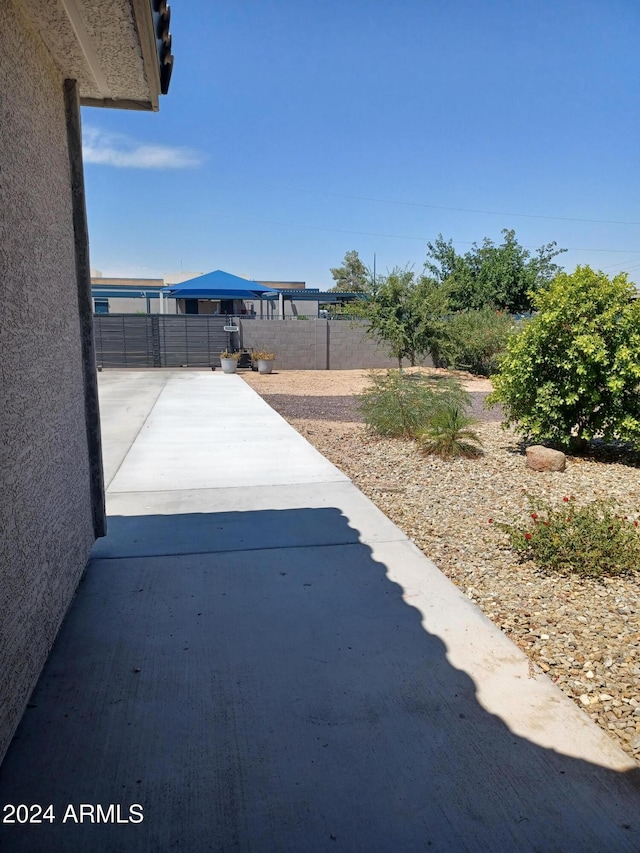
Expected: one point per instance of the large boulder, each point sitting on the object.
(541, 458)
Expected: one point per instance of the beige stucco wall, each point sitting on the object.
(138, 305)
(45, 503)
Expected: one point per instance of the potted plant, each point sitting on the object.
(229, 361)
(264, 360)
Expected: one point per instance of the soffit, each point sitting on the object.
(108, 46)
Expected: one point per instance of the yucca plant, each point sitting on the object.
(447, 434)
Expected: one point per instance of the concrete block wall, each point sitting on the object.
(350, 347)
(46, 526)
(316, 344)
(298, 344)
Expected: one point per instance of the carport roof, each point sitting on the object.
(218, 285)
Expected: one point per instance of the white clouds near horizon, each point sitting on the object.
(116, 149)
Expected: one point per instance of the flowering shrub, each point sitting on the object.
(591, 540)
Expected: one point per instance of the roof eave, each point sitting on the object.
(143, 16)
(115, 58)
(121, 104)
(144, 21)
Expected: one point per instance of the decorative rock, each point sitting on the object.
(541, 458)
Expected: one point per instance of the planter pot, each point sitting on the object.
(265, 366)
(229, 365)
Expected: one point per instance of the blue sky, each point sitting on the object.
(295, 131)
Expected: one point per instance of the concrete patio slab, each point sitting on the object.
(125, 401)
(280, 668)
(211, 429)
(181, 520)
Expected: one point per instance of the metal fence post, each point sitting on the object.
(155, 340)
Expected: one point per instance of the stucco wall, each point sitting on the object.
(45, 501)
(316, 344)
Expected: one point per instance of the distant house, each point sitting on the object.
(54, 57)
(149, 296)
(125, 295)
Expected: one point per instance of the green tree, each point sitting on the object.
(352, 276)
(476, 339)
(573, 372)
(502, 277)
(408, 315)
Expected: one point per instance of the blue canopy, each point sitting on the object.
(218, 285)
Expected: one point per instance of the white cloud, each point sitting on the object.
(114, 149)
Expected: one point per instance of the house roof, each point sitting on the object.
(138, 283)
(112, 48)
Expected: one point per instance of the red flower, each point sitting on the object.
(534, 516)
(490, 521)
(566, 500)
(527, 536)
(635, 523)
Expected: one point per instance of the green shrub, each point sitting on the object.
(476, 339)
(400, 404)
(573, 373)
(447, 434)
(591, 540)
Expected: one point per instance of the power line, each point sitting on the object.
(462, 209)
(392, 236)
(620, 263)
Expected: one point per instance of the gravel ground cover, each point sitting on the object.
(584, 634)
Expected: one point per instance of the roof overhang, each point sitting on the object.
(124, 293)
(109, 47)
(218, 293)
(327, 296)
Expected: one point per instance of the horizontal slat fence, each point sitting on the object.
(157, 340)
(123, 340)
(191, 340)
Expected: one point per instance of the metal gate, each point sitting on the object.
(159, 340)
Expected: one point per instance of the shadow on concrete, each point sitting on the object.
(282, 698)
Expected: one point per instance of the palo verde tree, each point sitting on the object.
(352, 276)
(408, 315)
(501, 277)
(573, 372)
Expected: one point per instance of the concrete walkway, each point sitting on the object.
(263, 662)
